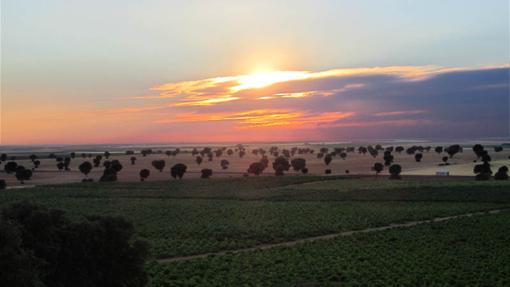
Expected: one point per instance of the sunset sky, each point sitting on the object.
(159, 71)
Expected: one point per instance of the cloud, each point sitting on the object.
(381, 102)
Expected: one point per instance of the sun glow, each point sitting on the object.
(266, 78)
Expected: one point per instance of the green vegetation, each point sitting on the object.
(186, 217)
(463, 252)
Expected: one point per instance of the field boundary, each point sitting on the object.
(329, 236)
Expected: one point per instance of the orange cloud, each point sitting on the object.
(212, 91)
(262, 118)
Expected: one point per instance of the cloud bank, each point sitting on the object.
(363, 103)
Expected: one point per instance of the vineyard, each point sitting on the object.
(188, 217)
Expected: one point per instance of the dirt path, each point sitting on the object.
(327, 236)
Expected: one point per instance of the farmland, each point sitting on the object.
(196, 216)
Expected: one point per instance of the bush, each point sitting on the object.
(3, 184)
(206, 173)
(395, 171)
(56, 253)
(178, 170)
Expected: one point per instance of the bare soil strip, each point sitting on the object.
(327, 236)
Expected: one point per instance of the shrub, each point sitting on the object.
(395, 171)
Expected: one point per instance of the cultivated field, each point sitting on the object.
(219, 216)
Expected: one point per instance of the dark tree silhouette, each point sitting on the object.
(97, 160)
(453, 150)
(3, 185)
(224, 163)
(418, 157)
(144, 174)
(67, 162)
(501, 174)
(327, 159)
(85, 168)
(37, 163)
(178, 170)
(483, 171)
(478, 149)
(280, 165)
(304, 170)
(107, 154)
(438, 149)
(256, 168)
(133, 160)
(399, 149)
(33, 157)
(241, 153)
(388, 158)
(343, 155)
(320, 155)
(45, 248)
(60, 166)
(298, 164)
(168, 153)
(327, 171)
(10, 167)
(395, 171)
(264, 161)
(378, 167)
(23, 174)
(3, 157)
(206, 173)
(498, 148)
(199, 160)
(130, 152)
(111, 170)
(445, 160)
(159, 164)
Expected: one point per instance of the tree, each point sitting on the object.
(328, 159)
(343, 155)
(199, 160)
(388, 158)
(56, 254)
(133, 160)
(327, 171)
(483, 171)
(3, 184)
(85, 168)
(501, 174)
(304, 170)
(144, 174)
(280, 165)
(10, 167)
(3, 157)
(97, 160)
(298, 164)
(395, 171)
(478, 149)
(224, 163)
(206, 173)
(60, 166)
(107, 154)
(378, 167)
(498, 148)
(178, 170)
(453, 150)
(438, 149)
(33, 157)
(418, 157)
(256, 168)
(23, 174)
(37, 163)
(158, 164)
(445, 160)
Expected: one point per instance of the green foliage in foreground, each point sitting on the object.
(196, 216)
(462, 252)
(41, 247)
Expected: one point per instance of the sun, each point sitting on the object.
(266, 78)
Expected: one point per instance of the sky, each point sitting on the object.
(154, 71)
